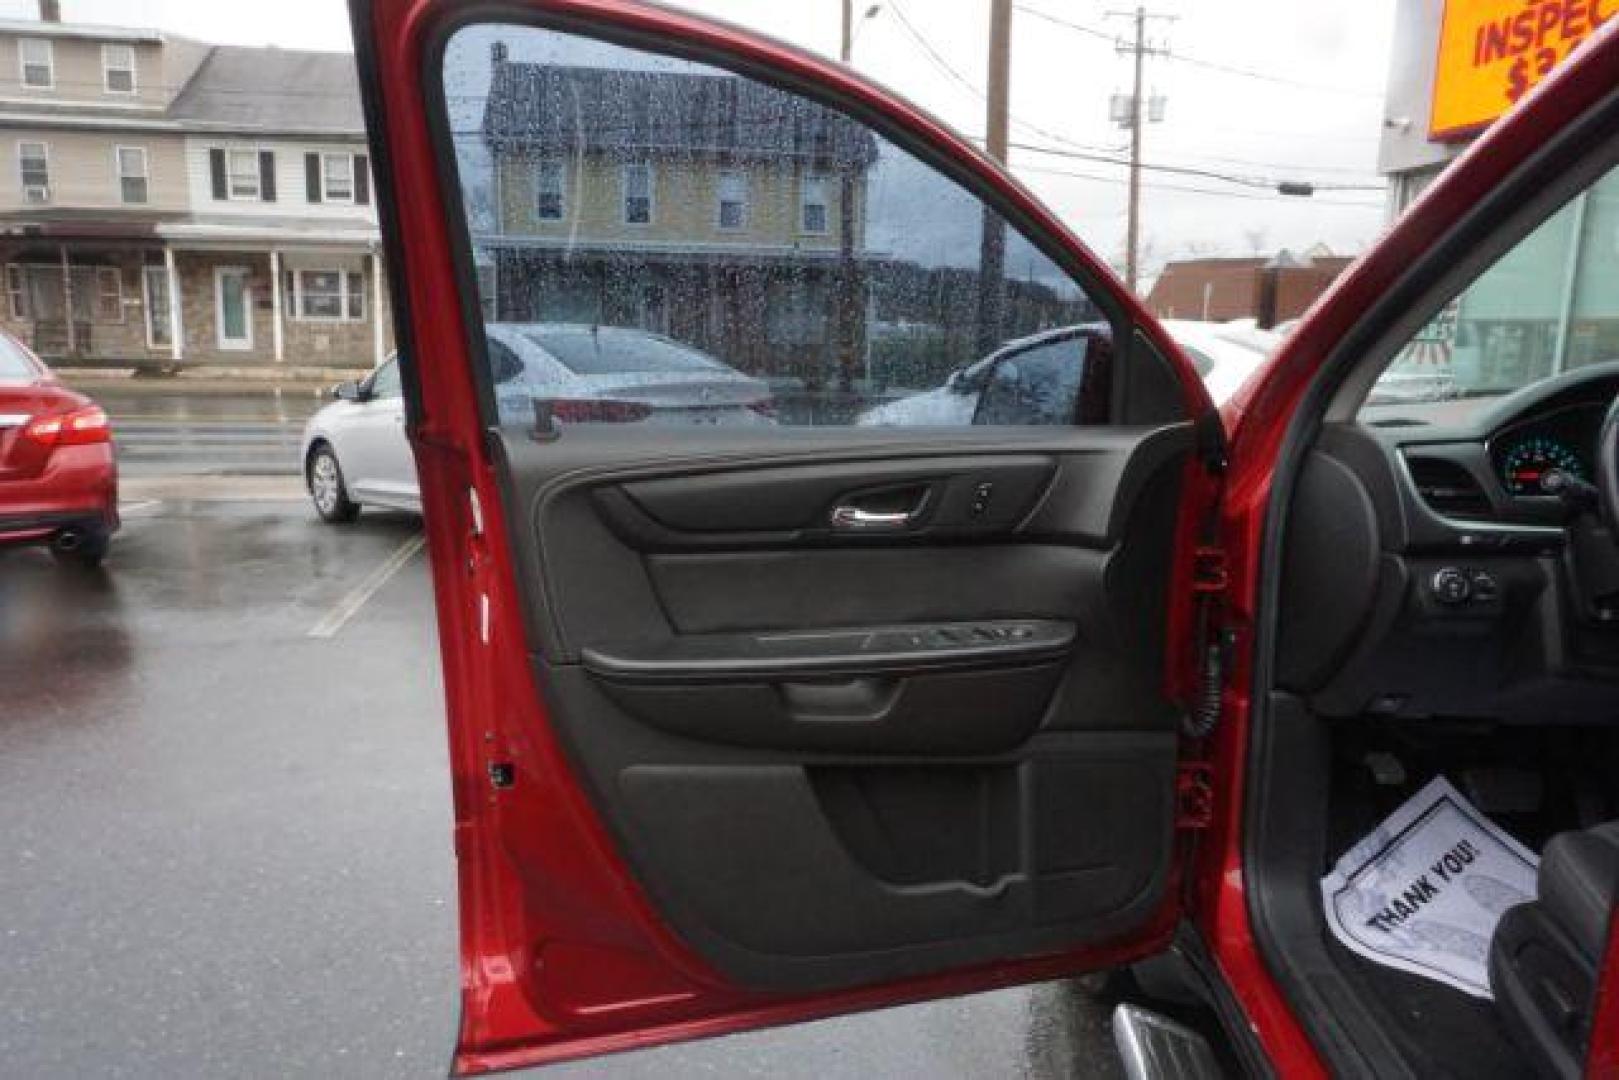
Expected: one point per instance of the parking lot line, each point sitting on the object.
(346, 608)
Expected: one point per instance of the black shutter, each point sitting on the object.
(362, 179)
(267, 175)
(216, 165)
(312, 177)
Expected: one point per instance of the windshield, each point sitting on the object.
(14, 363)
(613, 352)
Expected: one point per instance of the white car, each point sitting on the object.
(355, 452)
(1224, 355)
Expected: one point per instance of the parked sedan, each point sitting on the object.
(1224, 355)
(355, 453)
(58, 475)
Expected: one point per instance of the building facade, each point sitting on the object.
(1268, 290)
(1552, 303)
(172, 203)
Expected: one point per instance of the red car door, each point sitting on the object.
(767, 713)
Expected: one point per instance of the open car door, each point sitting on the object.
(789, 671)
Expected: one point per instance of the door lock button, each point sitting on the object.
(980, 502)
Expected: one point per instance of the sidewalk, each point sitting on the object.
(213, 379)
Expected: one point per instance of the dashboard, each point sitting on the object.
(1430, 572)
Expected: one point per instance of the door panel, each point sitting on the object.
(808, 710)
(836, 757)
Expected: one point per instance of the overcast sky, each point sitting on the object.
(1261, 89)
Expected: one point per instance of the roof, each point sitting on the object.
(91, 31)
(275, 90)
(550, 108)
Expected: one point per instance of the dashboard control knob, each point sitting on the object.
(1450, 586)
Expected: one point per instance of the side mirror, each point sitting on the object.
(956, 381)
(348, 390)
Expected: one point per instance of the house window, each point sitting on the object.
(548, 188)
(118, 68)
(813, 205)
(16, 292)
(109, 294)
(131, 173)
(337, 177)
(329, 295)
(242, 173)
(733, 200)
(34, 56)
(638, 194)
(34, 165)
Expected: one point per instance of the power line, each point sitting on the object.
(1187, 170)
(1228, 69)
(1250, 195)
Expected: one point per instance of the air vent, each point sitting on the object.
(1448, 488)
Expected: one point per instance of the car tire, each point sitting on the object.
(324, 477)
(86, 554)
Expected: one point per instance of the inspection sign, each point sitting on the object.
(1491, 52)
(1424, 891)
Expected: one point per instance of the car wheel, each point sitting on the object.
(326, 488)
(86, 552)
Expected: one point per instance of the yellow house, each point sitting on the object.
(709, 207)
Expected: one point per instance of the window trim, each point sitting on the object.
(23, 63)
(821, 180)
(107, 68)
(230, 176)
(145, 174)
(720, 200)
(562, 188)
(624, 194)
(326, 195)
(343, 295)
(22, 181)
(117, 277)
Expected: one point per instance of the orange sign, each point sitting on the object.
(1492, 51)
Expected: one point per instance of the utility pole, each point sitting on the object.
(1137, 106)
(992, 245)
(846, 49)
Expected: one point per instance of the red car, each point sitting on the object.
(756, 725)
(58, 475)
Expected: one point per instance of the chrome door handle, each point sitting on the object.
(853, 517)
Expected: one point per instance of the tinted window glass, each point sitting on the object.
(717, 225)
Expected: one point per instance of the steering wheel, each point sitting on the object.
(1607, 469)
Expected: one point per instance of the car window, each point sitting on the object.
(1545, 307)
(852, 284)
(385, 383)
(596, 351)
(1038, 385)
(15, 365)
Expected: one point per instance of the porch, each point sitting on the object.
(159, 306)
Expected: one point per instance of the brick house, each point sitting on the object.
(170, 202)
(725, 196)
(1267, 290)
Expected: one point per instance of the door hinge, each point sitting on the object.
(1194, 795)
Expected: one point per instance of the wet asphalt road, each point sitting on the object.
(162, 431)
(226, 843)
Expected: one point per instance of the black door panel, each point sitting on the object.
(836, 757)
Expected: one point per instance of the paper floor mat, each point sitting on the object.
(1424, 890)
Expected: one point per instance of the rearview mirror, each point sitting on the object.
(348, 390)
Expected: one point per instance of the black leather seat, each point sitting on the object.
(1545, 954)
